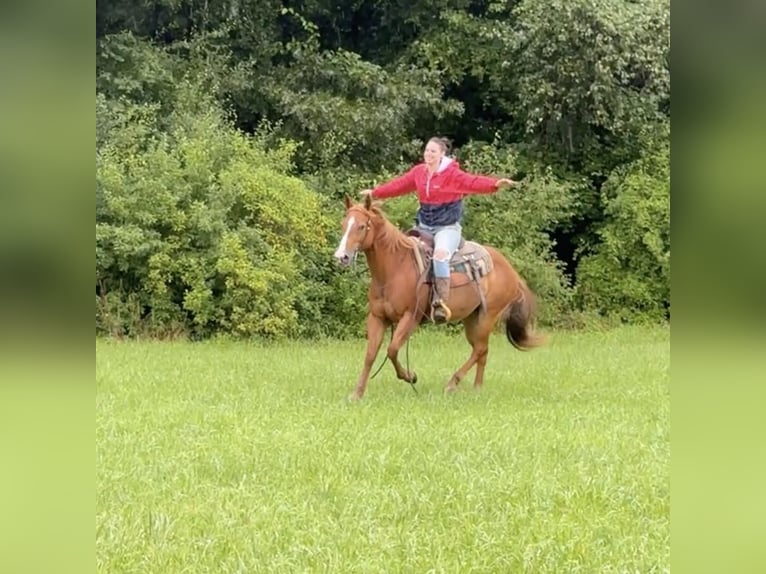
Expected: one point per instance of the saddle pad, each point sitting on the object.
(472, 260)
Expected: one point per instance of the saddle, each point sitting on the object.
(427, 239)
(470, 259)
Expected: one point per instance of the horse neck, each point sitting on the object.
(384, 257)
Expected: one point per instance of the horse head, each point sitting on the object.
(357, 229)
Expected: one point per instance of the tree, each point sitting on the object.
(199, 228)
(589, 75)
(628, 273)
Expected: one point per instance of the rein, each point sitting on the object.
(407, 364)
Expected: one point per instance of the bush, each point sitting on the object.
(519, 221)
(199, 226)
(628, 274)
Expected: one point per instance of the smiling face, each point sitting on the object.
(435, 150)
(355, 228)
(433, 154)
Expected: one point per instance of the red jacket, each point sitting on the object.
(448, 184)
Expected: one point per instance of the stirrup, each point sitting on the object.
(445, 309)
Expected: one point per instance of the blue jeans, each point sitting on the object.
(446, 240)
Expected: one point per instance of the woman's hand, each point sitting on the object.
(365, 192)
(504, 182)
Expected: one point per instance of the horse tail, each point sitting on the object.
(519, 319)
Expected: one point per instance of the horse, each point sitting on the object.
(399, 294)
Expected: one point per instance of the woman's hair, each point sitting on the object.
(443, 143)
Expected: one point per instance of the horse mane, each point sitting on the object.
(389, 236)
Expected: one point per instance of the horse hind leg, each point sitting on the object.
(473, 332)
(481, 347)
(482, 330)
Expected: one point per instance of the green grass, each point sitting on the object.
(237, 457)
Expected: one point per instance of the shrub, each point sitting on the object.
(628, 274)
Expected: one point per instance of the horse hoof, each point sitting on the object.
(414, 378)
(449, 389)
(354, 397)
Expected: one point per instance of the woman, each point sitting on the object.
(441, 185)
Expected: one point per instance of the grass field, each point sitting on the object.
(238, 457)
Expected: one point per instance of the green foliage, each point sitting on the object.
(377, 31)
(519, 222)
(351, 113)
(201, 223)
(470, 50)
(130, 68)
(202, 230)
(589, 75)
(628, 275)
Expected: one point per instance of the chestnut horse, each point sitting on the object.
(398, 295)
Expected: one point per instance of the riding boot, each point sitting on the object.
(440, 313)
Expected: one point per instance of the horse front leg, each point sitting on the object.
(375, 329)
(404, 329)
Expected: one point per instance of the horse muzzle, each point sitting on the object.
(344, 258)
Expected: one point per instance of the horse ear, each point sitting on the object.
(368, 201)
(347, 201)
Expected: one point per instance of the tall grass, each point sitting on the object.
(236, 457)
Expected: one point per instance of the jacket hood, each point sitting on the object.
(445, 163)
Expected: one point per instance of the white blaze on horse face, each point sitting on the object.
(341, 251)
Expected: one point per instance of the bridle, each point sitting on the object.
(367, 226)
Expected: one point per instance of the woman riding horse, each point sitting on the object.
(440, 185)
(398, 296)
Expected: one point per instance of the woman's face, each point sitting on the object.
(433, 154)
